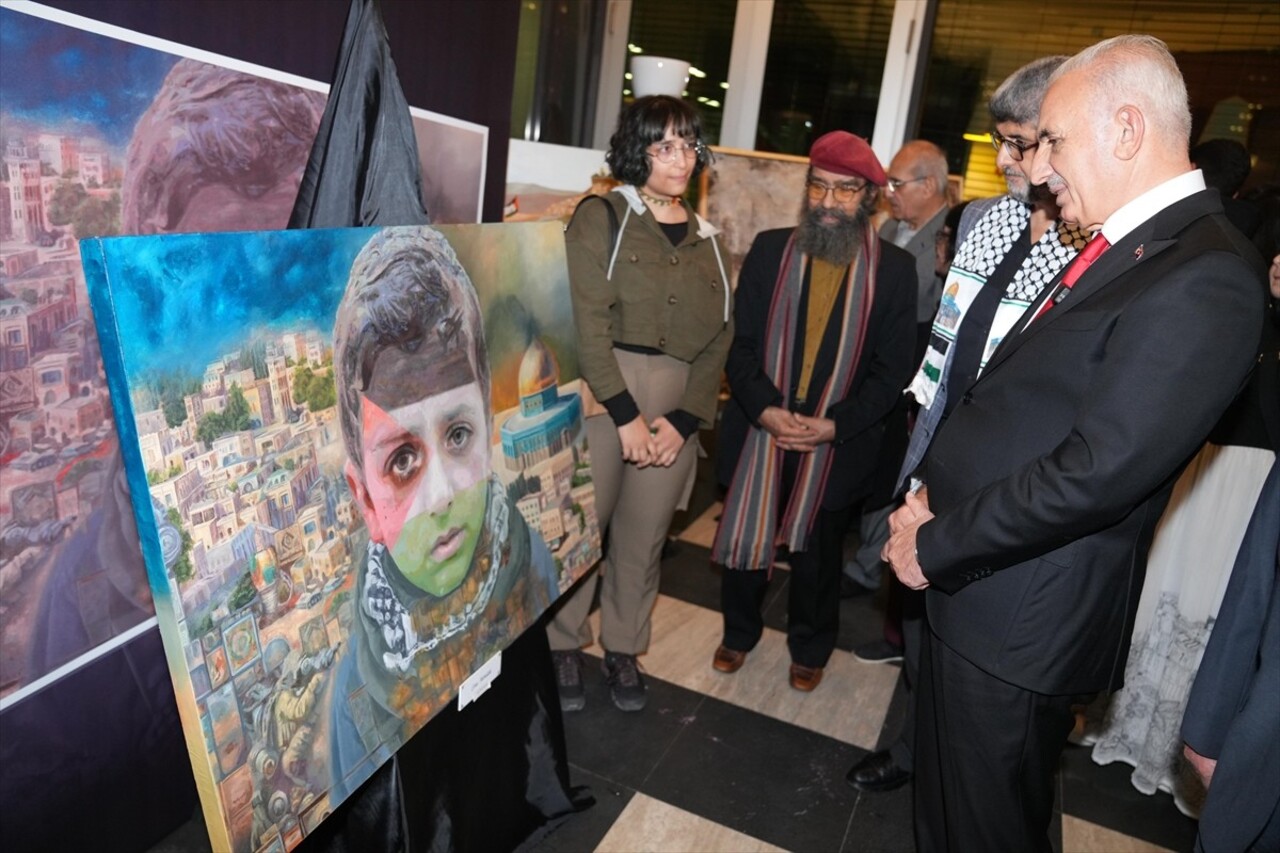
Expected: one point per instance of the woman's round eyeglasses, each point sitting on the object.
(667, 152)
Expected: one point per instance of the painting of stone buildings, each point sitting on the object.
(99, 136)
(303, 648)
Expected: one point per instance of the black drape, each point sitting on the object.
(363, 168)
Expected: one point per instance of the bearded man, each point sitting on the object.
(824, 327)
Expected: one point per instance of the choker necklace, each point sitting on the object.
(660, 202)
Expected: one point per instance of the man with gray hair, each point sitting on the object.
(1046, 481)
(1007, 249)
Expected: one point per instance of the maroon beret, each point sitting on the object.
(845, 154)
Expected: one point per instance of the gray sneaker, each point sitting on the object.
(569, 680)
(626, 684)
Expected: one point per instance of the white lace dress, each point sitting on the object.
(1191, 558)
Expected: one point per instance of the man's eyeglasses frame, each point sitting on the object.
(843, 193)
(1017, 148)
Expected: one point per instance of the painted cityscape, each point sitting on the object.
(342, 518)
(99, 136)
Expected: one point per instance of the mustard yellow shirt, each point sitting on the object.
(825, 280)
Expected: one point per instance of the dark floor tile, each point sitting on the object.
(625, 747)
(1105, 796)
(768, 779)
(861, 621)
(687, 574)
(882, 823)
(584, 831)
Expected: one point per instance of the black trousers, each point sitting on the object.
(813, 596)
(985, 757)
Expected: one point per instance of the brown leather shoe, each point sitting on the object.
(805, 678)
(728, 660)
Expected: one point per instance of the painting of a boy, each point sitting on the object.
(452, 573)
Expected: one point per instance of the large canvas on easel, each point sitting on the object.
(377, 479)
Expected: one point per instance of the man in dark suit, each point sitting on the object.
(1232, 723)
(1048, 479)
(824, 322)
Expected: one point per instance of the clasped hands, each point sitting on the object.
(900, 551)
(645, 444)
(796, 432)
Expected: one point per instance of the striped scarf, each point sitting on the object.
(750, 530)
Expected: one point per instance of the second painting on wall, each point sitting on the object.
(109, 132)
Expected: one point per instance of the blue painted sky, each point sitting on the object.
(183, 300)
(60, 78)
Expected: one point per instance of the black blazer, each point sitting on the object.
(1049, 477)
(883, 369)
(1233, 711)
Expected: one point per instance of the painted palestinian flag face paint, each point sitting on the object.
(426, 463)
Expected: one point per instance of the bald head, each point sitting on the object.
(1113, 125)
(917, 182)
(1138, 70)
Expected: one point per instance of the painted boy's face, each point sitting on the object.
(425, 484)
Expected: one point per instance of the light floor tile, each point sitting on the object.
(702, 532)
(1081, 836)
(850, 704)
(652, 826)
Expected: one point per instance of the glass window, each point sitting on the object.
(1227, 51)
(700, 33)
(557, 70)
(823, 72)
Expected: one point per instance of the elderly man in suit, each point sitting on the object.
(1045, 484)
(917, 191)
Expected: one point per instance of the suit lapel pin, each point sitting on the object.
(1137, 253)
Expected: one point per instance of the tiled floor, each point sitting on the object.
(743, 762)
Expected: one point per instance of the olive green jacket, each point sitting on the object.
(668, 298)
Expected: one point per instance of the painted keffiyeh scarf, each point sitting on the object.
(750, 531)
(976, 259)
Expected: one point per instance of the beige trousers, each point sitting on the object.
(635, 506)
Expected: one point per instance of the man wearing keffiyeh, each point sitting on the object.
(1007, 249)
(824, 328)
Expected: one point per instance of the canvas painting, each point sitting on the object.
(746, 192)
(378, 480)
(546, 182)
(106, 132)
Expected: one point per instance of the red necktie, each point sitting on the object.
(1082, 262)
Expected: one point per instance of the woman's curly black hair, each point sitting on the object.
(644, 122)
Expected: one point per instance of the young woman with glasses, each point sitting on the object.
(651, 304)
